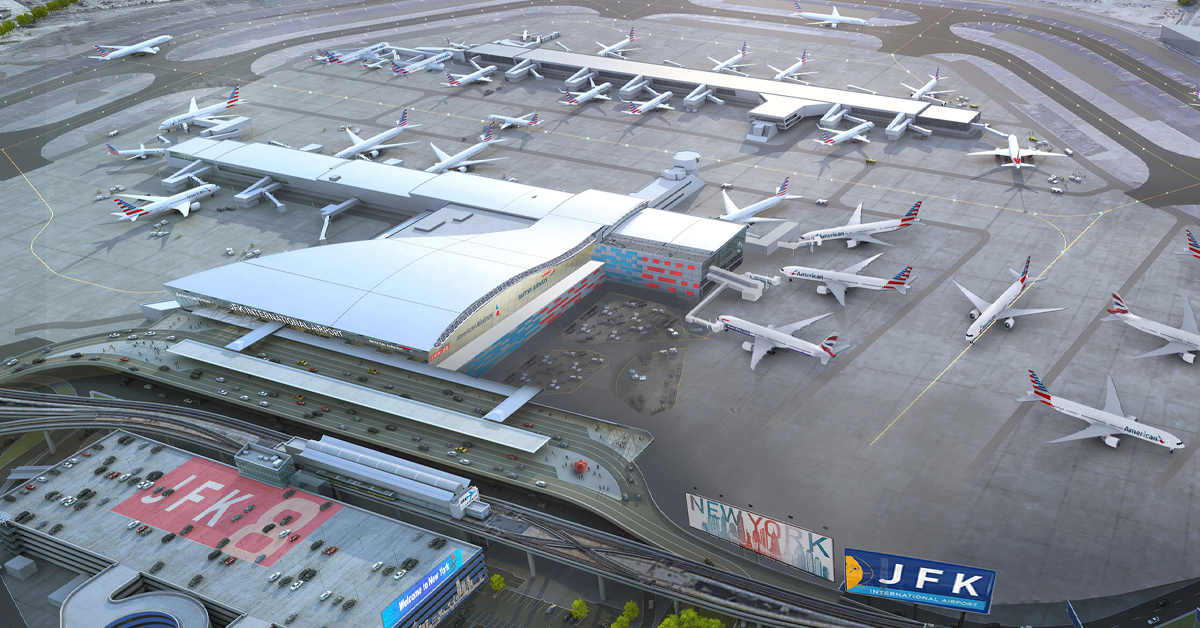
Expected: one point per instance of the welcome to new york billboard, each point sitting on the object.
(919, 581)
(797, 547)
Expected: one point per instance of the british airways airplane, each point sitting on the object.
(1181, 340)
(832, 19)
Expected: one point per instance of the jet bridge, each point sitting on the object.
(254, 194)
(178, 182)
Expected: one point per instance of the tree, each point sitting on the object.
(631, 610)
(497, 582)
(39, 13)
(24, 19)
(579, 609)
(689, 618)
(620, 622)
(8, 25)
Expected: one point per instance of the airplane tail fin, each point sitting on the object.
(796, 4)
(533, 121)
(1025, 272)
(403, 121)
(897, 283)
(111, 150)
(571, 99)
(127, 210)
(396, 69)
(782, 191)
(631, 37)
(332, 59)
(1118, 307)
(233, 96)
(829, 346)
(1039, 389)
(1193, 245)
(633, 109)
(911, 216)
(744, 53)
(825, 137)
(453, 81)
(488, 136)
(103, 52)
(937, 74)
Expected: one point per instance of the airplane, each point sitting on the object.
(855, 231)
(183, 202)
(461, 161)
(616, 49)
(986, 313)
(480, 75)
(525, 35)
(1182, 340)
(836, 282)
(731, 64)
(195, 113)
(350, 56)
(832, 19)
(150, 46)
(1193, 245)
(1104, 424)
(506, 122)
(139, 153)
(1015, 153)
(658, 102)
(769, 338)
(462, 46)
(926, 90)
(855, 134)
(430, 63)
(379, 62)
(370, 148)
(1196, 95)
(793, 70)
(747, 214)
(596, 92)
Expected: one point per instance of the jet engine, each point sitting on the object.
(1188, 357)
(748, 346)
(195, 206)
(851, 243)
(973, 314)
(1111, 441)
(154, 49)
(463, 169)
(1009, 322)
(822, 289)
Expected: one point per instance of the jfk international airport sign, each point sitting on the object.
(919, 581)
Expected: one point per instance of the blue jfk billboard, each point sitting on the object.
(919, 581)
(441, 573)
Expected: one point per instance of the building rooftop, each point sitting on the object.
(693, 232)
(207, 495)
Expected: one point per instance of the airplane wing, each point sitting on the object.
(861, 138)
(1189, 319)
(183, 207)
(441, 155)
(1171, 348)
(1092, 431)
(1003, 152)
(867, 238)
(1112, 403)
(838, 290)
(730, 208)
(193, 108)
(382, 146)
(856, 217)
(858, 268)
(760, 348)
(1015, 312)
(472, 162)
(795, 327)
(1025, 152)
(142, 198)
(821, 22)
(979, 303)
(354, 138)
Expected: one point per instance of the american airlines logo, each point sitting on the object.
(1141, 434)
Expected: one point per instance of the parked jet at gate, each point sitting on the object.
(658, 102)
(350, 56)
(855, 231)
(196, 114)
(731, 64)
(836, 282)
(1014, 152)
(855, 134)
(986, 313)
(380, 62)
(618, 49)
(832, 19)
(1106, 424)
(429, 64)
(1181, 341)
(370, 148)
(461, 161)
(596, 92)
(480, 75)
(926, 90)
(140, 153)
(183, 202)
(748, 214)
(767, 339)
(793, 70)
(1193, 245)
(528, 120)
(148, 47)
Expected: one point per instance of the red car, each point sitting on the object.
(114, 475)
(124, 359)
(31, 487)
(324, 409)
(511, 457)
(293, 538)
(300, 403)
(142, 529)
(527, 424)
(229, 561)
(331, 551)
(86, 454)
(313, 369)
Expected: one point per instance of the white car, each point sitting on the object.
(145, 484)
(464, 462)
(222, 392)
(376, 566)
(124, 476)
(262, 393)
(325, 595)
(41, 478)
(170, 337)
(149, 333)
(131, 337)
(284, 533)
(67, 501)
(68, 465)
(220, 379)
(275, 576)
(245, 397)
(133, 524)
(540, 484)
(297, 584)
(11, 362)
(114, 335)
(399, 574)
(263, 404)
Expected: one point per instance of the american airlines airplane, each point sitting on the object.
(350, 56)
(480, 75)
(731, 64)
(183, 202)
(1105, 424)
(429, 64)
(618, 49)
(370, 148)
(596, 92)
(194, 113)
(148, 47)
(855, 134)
(527, 120)
(378, 63)
(1014, 152)
(836, 282)
(748, 214)
(461, 161)
(1193, 245)
(1196, 95)
(832, 19)
(855, 231)
(986, 313)
(1181, 341)
(658, 102)
(767, 339)
(792, 70)
(926, 90)
(140, 153)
